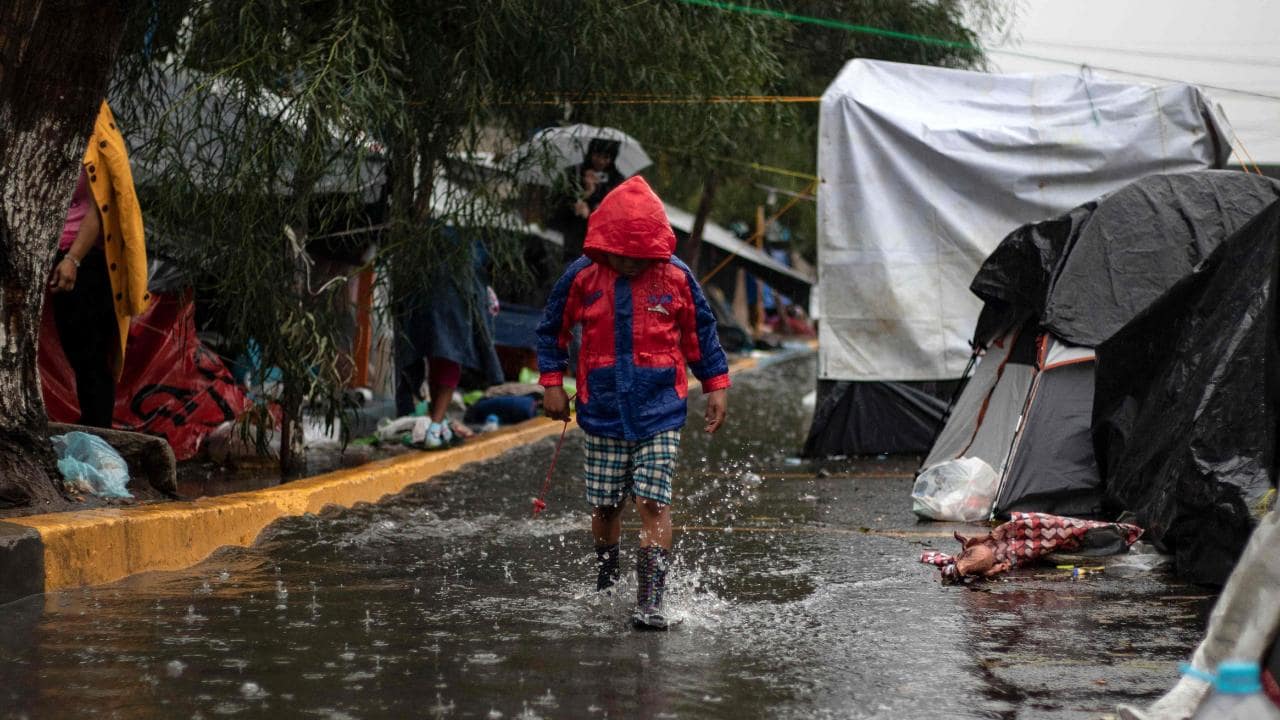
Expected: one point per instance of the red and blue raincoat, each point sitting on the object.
(637, 333)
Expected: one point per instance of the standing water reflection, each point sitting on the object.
(800, 596)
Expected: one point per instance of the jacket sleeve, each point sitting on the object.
(699, 340)
(556, 327)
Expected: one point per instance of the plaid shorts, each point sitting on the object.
(643, 468)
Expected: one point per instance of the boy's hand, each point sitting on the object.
(555, 403)
(717, 407)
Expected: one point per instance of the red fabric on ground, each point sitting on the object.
(172, 385)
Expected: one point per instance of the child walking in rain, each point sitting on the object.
(643, 317)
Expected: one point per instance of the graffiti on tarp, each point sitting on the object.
(163, 408)
(179, 404)
(172, 385)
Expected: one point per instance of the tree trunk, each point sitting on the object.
(694, 249)
(55, 59)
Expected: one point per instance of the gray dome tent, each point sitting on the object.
(1053, 290)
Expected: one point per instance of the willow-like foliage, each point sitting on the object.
(267, 129)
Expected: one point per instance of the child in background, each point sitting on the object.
(643, 317)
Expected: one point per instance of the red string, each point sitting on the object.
(539, 503)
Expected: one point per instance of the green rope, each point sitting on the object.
(834, 24)
(929, 40)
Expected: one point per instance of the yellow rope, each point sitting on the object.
(1245, 150)
(647, 99)
(811, 187)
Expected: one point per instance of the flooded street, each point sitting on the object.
(798, 596)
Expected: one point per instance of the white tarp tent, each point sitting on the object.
(924, 170)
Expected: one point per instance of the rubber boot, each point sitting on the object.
(651, 581)
(607, 573)
(1242, 624)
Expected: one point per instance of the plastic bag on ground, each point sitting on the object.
(391, 429)
(958, 490)
(90, 465)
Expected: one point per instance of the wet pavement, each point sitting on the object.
(799, 596)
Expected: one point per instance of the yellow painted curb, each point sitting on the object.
(99, 546)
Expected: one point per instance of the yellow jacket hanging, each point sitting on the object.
(106, 162)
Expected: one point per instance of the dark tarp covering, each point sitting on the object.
(516, 326)
(1052, 468)
(1185, 405)
(877, 418)
(1086, 273)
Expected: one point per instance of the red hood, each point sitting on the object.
(630, 221)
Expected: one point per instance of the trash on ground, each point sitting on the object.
(1024, 539)
(89, 465)
(961, 489)
(391, 430)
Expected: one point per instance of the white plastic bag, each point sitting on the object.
(958, 490)
(390, 430)
(90, 465)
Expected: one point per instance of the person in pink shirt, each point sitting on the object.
(82, 306)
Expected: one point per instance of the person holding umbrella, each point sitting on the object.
(584, 186)
(580, 164)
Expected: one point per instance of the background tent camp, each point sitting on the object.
(1053, 291)
(719, 243)
(1186, 405)
(175, 382)
(517, 322)
(721, 255)
(923, 170)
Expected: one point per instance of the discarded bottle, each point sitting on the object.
(490, 424)
(1237, 695)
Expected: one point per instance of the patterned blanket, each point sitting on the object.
(1026, 537)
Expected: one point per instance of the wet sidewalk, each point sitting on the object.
(800, 596)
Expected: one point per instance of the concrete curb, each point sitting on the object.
(99, 546)
(43, 553)
(21, 562)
